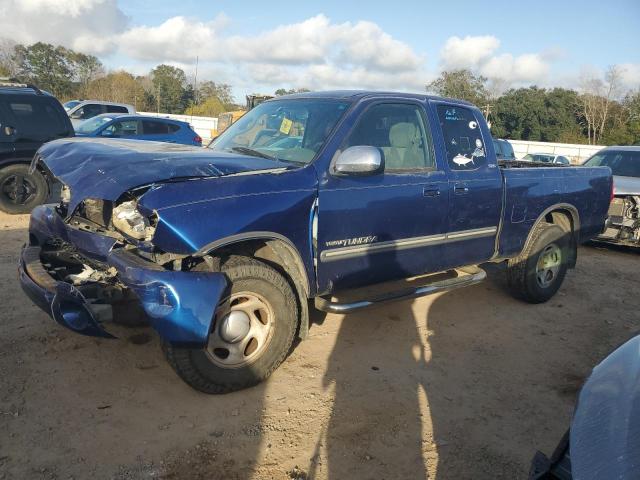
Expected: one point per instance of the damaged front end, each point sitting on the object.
(98, 262)
(623, 224)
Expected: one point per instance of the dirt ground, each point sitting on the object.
(462, 385)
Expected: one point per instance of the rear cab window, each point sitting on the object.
(463, 140)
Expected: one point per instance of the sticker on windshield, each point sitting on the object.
(285, 126)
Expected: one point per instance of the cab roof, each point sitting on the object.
(361, 94)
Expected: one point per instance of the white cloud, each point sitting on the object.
(479, 53)
(468, 52)
(84, 25)
(630, 75)
(178, 39)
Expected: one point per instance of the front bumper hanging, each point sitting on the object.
(180, 305)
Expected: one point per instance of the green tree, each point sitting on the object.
(46, 66)
(169, 86)
(120, 87)
(221, 91)
(537, 114)
(84, 69)
(211, 107)
(462, 84)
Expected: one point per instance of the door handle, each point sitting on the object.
(460, 190)
(431, 192)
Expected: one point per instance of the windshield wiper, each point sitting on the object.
(252, 152)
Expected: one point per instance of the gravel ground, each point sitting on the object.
(466, 384)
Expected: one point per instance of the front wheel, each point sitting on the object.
(252, 332)
(538, 272)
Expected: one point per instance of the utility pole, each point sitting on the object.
(195, 88)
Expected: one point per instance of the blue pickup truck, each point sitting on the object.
(222, 249)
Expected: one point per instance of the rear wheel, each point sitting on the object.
(253, 330)
(21, 191)
(538, 272)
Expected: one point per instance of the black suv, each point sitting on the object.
(29, 117)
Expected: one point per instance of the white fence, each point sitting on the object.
(575, 153)
(202, 125)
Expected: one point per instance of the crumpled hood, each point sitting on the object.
(605, 432)
(106, 168)
(626, 185)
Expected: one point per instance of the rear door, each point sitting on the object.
(475, 184)
(6, 134)
(388, 225)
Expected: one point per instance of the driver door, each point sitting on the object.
(391, 224)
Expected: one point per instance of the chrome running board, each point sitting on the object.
(466, 276)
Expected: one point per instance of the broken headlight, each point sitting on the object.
(130, 221)
(65, 195)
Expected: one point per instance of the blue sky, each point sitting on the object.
(399, 44)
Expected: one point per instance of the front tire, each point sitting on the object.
(538, 272)
(252, 332)
(21, 191)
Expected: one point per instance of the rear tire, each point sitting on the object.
(538, 272)
(21, 191)
(264, 296)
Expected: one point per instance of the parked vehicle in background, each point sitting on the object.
(223, 248)
(623, 224)
(547, 158)
(604, 439)
(29, 117)
(70, 104)
(226, 119)
(90, 108)
(138, 127)
(504, 150)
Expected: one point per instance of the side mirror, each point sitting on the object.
(359, 160)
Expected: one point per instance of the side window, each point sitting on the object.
(116, 109)
(462, 137)
(173, 128)
(37, 118)
(125, 128)
(154, 128)
(399, 130)
(88, 111)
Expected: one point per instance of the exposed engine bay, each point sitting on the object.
(623, 225)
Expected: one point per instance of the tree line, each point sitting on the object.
(599, 113)
(73, 75)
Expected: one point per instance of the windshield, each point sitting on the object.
(289, 130)
(93, 124)
(622, 163)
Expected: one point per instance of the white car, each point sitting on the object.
(547, 158)
(90, 108)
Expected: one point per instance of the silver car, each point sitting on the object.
(623, 224)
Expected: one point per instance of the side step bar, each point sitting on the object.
(466, 276)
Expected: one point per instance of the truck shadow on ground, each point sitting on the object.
(447, 388)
